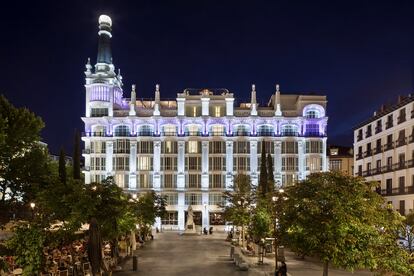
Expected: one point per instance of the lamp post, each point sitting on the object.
(275, 199)
(32, 206)
(206, 217)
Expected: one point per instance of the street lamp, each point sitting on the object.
(275, 199)
(206, 217)
(32, 206)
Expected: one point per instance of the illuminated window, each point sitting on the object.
(170, 130)
(121, 146)
(144, 163)
(217, 130)
(120, 163)
(194, 111)
(217, 111)
(193, 147)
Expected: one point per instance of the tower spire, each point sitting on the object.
(157, 100)
(104, 42)
(253, 102)
(278, 111)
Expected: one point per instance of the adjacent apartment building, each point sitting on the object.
(190, 148)
(384, 152)
(341, 159)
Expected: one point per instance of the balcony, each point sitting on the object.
(401, 119)
(168, 133)
(359, 156)
(368, 153)
(388, 125)
(378, 129)
(368, 133)
(314, 134)
(377, 150)
(145, 133)
(95, 134)
(241, 133)
(192, 133)
(390, 168)
(388, 146)
(398, 191)
(216, 133)
(271, 133)
(86, 151)
(401, 142)
(359, 137)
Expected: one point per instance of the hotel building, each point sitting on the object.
(190, 148)
(384, 152)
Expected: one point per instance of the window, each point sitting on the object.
(389, 162)
(312, 113)
(401, 160)
(241, 147)
(290, 147)
(168, 181)
(144, 180)
(169, 130)
(98, 147)
(217, 181)
(335, 165)
(401, 117)
(121, 131)
(369, 166)
(121, 146)
(401, 184)
(121, 180)
(369, 131)
(217, 111)
(312, 129)
(378, 169)
(269, 147)
(314, 146)
(217, 130)
(313, 163)
(193, 199)
(193, 147)
(289, 163)
(289, 130)
(216, 199)
(241, 164)
(402, 207)
(169, 147)
(378, 146)
(99, 131)
(389, 121)
(171, 199)
(193, 181)
(144, 163)
(170, 218)
(288, 179)
(378, 128)
(97, 178)
(359, 137)
(120, 163)
(168, 163)
(99, 112)
(145, 130)
(193, 163)
(193, 111)
(145, 147)
(98, 163)
(217, 163)
(193, 130)
(389, 186)
(265, 130)
(217, 147)
(241, 130)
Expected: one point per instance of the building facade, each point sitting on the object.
(384, 152)
(341, 159)
(189, 149)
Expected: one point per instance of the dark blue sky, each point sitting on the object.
(359, 54)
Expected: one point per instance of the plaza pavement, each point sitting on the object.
(172, 254)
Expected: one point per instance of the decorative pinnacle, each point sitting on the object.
(253, 87)
(133, 88)
(157, 87)
(277, 88)
(88, 65)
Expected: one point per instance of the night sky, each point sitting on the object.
(359, 54)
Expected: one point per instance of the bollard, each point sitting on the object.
(134, 263)
(231, 252)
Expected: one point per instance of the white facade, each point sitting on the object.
(190, 149)
(384, 152)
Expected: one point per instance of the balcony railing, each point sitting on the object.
(401, 119)
(401, 142)
(168, 133)
(388, 125)
(145, 133)
(271, 133)
(377, 149)
(241, 133)
(368, 133)
(398, 191)
(192, 133)
(96, 134)
(359, 156)
(359, 137)
(388, 146)
(368, 153)
(378, 129)
(216, 133)
(390, 168)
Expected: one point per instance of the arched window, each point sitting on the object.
(121, 130)
(289, 130)
(169, 130)
(265, 130)
(193, 130)
(313, 111)
(241, 130)
(217, 130)
(145, 130)
(98, 130)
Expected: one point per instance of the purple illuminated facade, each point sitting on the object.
(190, 149)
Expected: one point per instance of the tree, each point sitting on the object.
(270, 176)
(341, 220)
(263, 178)
(23, 160)
(239, 202)
(62, 166)
(260, 226)
(76, 156)
(408, 231)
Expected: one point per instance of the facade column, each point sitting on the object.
(278, 162)
(204, 165)
(109, 155)
(324, 161)
(229, 164)
(301, 159)
(156, 166)
(181, 209)
(133, 165)
(253, 162)
(180, 166)
(205, 211)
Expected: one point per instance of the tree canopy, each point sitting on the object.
(343, 221)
